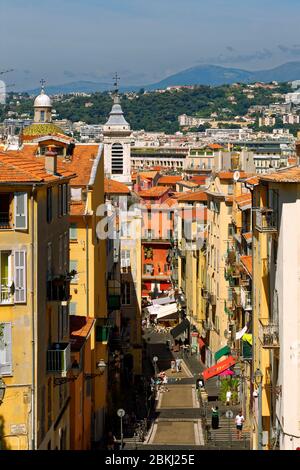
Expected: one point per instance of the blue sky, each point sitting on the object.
(145, 41)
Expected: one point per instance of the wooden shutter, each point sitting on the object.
(20, 276)
(20, 211)
(5, 350)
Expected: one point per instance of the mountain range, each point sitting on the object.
(213, 75)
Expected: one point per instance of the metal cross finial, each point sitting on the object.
(42, 82)
(116, 80)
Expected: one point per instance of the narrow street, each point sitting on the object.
(179, 419)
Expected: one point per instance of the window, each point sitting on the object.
(42, 118)
(49, 205)
(117, 159)
(5, 349)
(20, 276)
(230, 189)
(148, 269)
(20, 211)
(5, 210)
(73, 232)
(6, 295)
(125, 258)
(74, 267)
(229, 210)
(229, 291)
(125, 293)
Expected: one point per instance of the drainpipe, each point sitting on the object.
(33, 320)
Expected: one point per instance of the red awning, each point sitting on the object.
(201, 343)
(218, 368)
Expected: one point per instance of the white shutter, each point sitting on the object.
(20, 211)
(20, 276)
(5, 350)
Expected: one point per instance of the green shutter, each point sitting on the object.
(247, 350)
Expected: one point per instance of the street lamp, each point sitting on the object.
(258, 376)
(2, 389)
(155, 359)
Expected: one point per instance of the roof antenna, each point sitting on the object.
(42, 82)
(116, 88)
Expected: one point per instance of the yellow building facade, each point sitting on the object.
(34, 342)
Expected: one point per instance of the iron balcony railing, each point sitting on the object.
(268, 333)
(58, 290)
(59, 359)
(6, 294)
(265, 220)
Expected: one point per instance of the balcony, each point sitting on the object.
(59, 359)
(246, 298)
(6, 294)
(268, 333)
(58, 290)
(265, 220)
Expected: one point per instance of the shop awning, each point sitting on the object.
(201, 343)
(218, 368)
(180, 329)
(247, 337)
(222, 352)
(163, 301)
(166, 310)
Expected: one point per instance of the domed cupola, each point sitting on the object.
(42, 107)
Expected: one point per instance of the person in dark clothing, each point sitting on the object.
(215, 418)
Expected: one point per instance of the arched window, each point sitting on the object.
(42, 116)
(117, 159)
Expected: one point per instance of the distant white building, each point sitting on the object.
(293, 98)
(290, 119)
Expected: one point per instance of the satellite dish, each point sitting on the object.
(236, 175)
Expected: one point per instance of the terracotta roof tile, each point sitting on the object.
(187, 183)
(156, 191)
(26, 169)
(115, 187)
(169, 179)
(228, 175)
(193, 196)
(288, 175)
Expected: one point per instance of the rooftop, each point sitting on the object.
(115, 187)
(287, 175)
(169, 179)
(14, 169)
(193, 196)
(156, 191)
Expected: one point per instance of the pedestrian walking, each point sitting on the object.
(228, 397)
(239, 421)
(215, 417)
(173, 366)
(178, 364)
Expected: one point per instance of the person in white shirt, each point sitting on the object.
(239, 421)
(228, 397)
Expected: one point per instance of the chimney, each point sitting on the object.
(51, 161)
